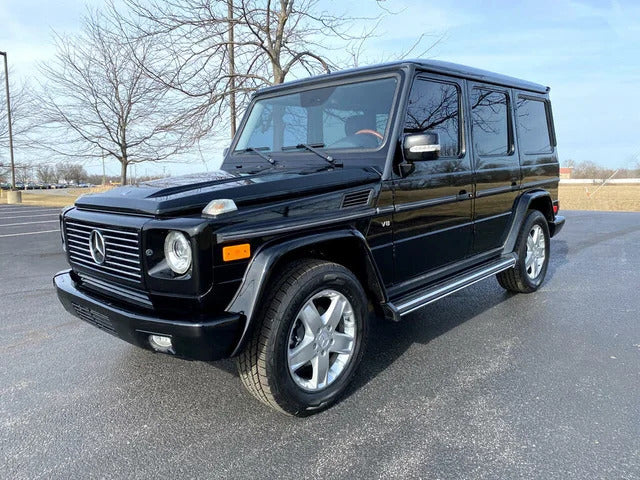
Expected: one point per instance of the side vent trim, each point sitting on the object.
(356, 199)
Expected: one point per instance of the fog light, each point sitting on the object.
(160, 343)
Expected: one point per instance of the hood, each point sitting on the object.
(191, 193)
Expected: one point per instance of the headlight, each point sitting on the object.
(177, 251)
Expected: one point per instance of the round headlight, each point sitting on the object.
(177, 251)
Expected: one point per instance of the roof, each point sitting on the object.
(434, 66)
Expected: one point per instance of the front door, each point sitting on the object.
(432, 222)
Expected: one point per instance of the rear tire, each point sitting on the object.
(308, 339)
(532, 247)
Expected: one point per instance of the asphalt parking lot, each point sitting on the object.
(482, 384)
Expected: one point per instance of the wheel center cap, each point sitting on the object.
(323, 339)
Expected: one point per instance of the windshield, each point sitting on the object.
(355, 115)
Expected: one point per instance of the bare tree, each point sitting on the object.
(218, 52)
(46, 173)
(100, 101)
(71, 172)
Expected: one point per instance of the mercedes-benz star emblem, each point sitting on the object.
(97, 248)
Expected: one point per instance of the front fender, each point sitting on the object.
(261, 267)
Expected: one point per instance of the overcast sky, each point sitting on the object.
(588, 52)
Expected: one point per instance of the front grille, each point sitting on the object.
(122, 249)
(94, 318)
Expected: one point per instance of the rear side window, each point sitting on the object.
(533, 126)
(490, 122)
(435, 107)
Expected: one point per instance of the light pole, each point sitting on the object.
(6, 84)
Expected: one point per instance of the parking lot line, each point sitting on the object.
(29, 209)
(28, 233)
(29, 216)
(27, 223)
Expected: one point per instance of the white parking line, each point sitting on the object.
(28, 233)
(29, 216)
(27, 223)
(29, 209)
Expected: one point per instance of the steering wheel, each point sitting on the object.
(367, 131)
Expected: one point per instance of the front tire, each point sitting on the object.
(532, 248)
(308, 339)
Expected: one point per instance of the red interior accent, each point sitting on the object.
(370, 132)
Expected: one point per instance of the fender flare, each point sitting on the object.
(520, 211)
(261, 266)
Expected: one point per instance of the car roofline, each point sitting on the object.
(432, 66)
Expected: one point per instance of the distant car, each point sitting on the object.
(5, 186)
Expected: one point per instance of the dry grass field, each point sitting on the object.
(620, 198)
(54, 198)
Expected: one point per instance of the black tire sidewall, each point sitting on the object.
(533, 218)
(289, 395)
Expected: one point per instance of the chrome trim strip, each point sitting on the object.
(427, 203)
(539, 183)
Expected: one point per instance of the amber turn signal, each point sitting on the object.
(236, 252)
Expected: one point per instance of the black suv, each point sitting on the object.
(373, 191)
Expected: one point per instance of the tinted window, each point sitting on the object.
(434, 107)
(533, 128)
(490, 122)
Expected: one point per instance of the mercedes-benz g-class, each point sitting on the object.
(362, 193)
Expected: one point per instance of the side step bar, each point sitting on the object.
(416, 300)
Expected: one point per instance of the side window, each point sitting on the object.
(489, 114)
(533, 126)
(435, 107)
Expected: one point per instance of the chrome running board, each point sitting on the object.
(419, 299)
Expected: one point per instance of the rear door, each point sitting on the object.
(432, 223)
(536, 142)
(495, 163)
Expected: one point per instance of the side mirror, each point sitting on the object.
(421, 146)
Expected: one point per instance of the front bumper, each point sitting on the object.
(556, 225)
(198, 338)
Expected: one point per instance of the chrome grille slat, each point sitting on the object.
(122, 249)
(132, 261)
(109, 237)
(99, 268)
(114, 245)
(102, 229)
(134, 256)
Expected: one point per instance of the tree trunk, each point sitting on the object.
(232, 71)
(123, 172)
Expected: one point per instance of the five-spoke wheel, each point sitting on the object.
(309, 338)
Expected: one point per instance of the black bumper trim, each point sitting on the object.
(196, 338)
(556, 225)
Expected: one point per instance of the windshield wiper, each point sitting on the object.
(257, 150)
(314, 149)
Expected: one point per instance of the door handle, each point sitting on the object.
(464, 195)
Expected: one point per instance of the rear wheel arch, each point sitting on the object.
(543, 204)
(346, 247)
(539, 200)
